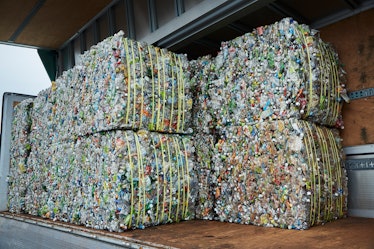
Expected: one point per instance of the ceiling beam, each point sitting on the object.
(204, 18)
(27, 20)
(351, 3)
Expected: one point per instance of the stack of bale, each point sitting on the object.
(20, 151)
(110, 141)
(112, 145)
(271, 101)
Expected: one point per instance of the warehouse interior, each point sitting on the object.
(62, 31)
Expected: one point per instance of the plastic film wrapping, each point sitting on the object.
(20, 150)
(285, 174)
(116, 180)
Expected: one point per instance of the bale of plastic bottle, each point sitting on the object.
(283, 173)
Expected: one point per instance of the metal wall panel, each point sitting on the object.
(77, 49)
(66, 58)
(361, 193)
(140, 20)
(165, 11)
(89, 37)
(191, 3)
(360, 169)
(119, 12)
(142, 25)
(103, 26)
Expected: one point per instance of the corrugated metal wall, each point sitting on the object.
(137, 19)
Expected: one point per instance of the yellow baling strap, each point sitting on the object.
(128, 80)
(132, 179)
(142, 84)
